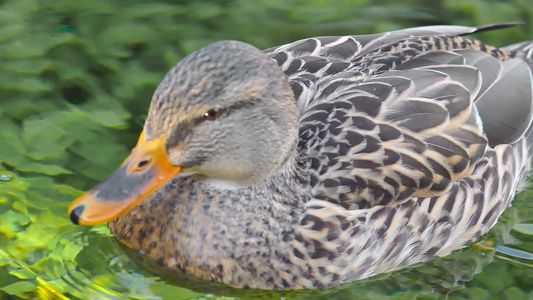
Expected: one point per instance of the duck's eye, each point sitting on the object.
(212, 114)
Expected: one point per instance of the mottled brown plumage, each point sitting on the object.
(334, 158)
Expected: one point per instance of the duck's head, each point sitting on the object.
(225, 114)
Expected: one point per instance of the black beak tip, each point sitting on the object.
(76, 213)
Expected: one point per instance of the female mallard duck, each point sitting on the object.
(323, 161)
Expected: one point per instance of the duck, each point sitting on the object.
(323, 161)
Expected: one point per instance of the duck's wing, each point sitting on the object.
(347, 48)
(415, 130)
(324, 58)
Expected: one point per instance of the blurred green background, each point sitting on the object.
(76, 79)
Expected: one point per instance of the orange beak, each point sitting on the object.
(141, 174)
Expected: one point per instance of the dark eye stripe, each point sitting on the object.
(216, 113)
(242, 104)
(184, 128)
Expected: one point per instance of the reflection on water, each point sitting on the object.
(88, 263)
(112, 278)
(43, 256)
(6, 177)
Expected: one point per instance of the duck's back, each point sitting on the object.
(415, 141)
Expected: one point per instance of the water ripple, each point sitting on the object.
(94, 266)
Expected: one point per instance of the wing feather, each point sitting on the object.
(387, 117)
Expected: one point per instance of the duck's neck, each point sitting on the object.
(216, 233)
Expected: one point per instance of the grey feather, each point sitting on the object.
(507, 106)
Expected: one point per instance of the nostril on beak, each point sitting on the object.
(76, 213)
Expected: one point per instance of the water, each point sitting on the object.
(85, 263)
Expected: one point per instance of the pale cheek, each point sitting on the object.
(232, 169)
